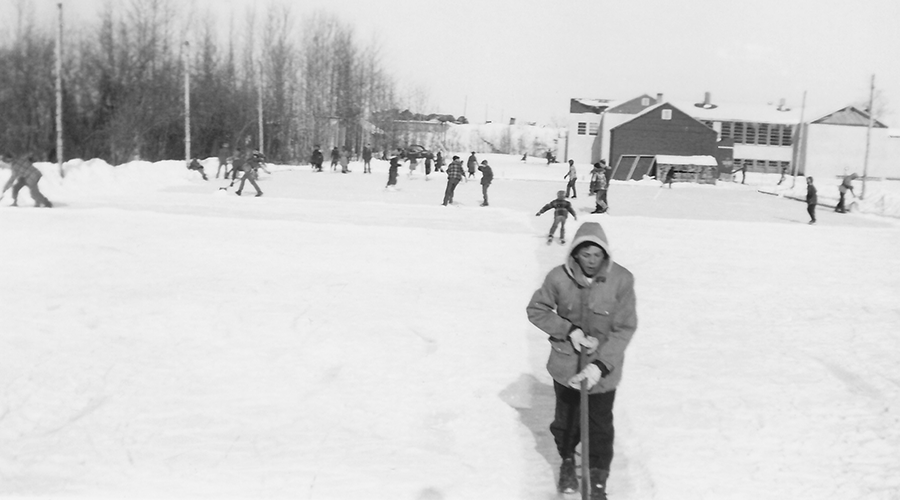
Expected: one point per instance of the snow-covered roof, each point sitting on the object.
(730, 111)
(705, 160)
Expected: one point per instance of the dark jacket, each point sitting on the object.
(367, 153)
(487, 174)
(561, 208)
(811, 196)
(471, 163)
(317, 157)
(604, 308)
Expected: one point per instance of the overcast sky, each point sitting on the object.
(493, 59)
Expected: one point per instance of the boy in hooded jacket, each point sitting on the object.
(586, 303)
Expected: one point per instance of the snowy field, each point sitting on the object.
(161, 338)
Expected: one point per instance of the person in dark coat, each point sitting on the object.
(429, 160)
(335, 157)
(224, 153)
(670, 177)
(316, 159)
(367, 159)
(586, 304)
(23, 173)
(487, 175)
(250, 168)
(471, 163)
(392, 170)
(237, 165)
(439, 162)
(561, 210)
(812, 198)
(455, 174)
(846, 185)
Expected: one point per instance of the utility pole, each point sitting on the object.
(259, 106)
(187, 102)
(862, 195)
(799, 147)
(59, 96)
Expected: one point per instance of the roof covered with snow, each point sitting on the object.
(705, 160)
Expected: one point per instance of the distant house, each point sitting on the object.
(582, 127)
(662, 129)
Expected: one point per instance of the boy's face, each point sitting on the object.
(590, 258)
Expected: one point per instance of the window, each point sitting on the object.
(750, 133)
(645, 101)
(667, 114)
(726, 130)
(787, 133)
(775, 135)
(582, 128)
(764, 133)
(738, 132)
(592, 128)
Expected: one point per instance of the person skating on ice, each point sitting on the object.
(487, 176)
(812, 198)
(572, 175)
(23, 173)
(455, 174)
(561, 210)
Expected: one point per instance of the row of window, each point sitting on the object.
(584, 127)
(764, 166)
(765, 134)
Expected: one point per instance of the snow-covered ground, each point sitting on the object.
(162, 338)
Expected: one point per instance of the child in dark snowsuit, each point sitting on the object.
(812, 198)
(195, 165)
(392, 171)
(561, 210)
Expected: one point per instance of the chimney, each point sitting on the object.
(659, 98)
(706, 100)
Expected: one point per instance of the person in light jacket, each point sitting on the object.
(587, 303)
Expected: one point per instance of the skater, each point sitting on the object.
(670, 177)
(783, 174)
(601, 186)
(223, 155)
(561, 210)
(316, 159)
(744, 173)
(586, 303)
(413, 163)
(573, 176)
(237, 165)
(335, 158)
(487, 175)
(549, 156)
(195, 165)
(471, 163)
(429, 161)
(439, 162)
(525, 157)
(846, 185)
(811, 200)
(24, 173)
(455, 173)
(367, 159)
(596, 172)
(392, 171)
(250, 168)
(345, 161)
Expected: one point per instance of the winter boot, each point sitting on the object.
(568, 482)
(237, 193)
(598, 484)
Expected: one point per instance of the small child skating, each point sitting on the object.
(561, 210)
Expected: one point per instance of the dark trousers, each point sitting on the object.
(367, 165)
(448, 193)
(840, 204)
(484, 188)
(571, 185)
(811, 210)
(249, 176)
(392, 177)
(566, 426)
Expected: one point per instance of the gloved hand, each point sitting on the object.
(579, 339)
(591, 373)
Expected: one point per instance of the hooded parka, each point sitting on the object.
(603, 307)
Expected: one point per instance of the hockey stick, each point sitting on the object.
(585, 431)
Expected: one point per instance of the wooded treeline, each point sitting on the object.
(123, 84)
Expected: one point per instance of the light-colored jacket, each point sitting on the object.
(604, 308)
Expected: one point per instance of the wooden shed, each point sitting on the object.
(659, 130)
(702, 169)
